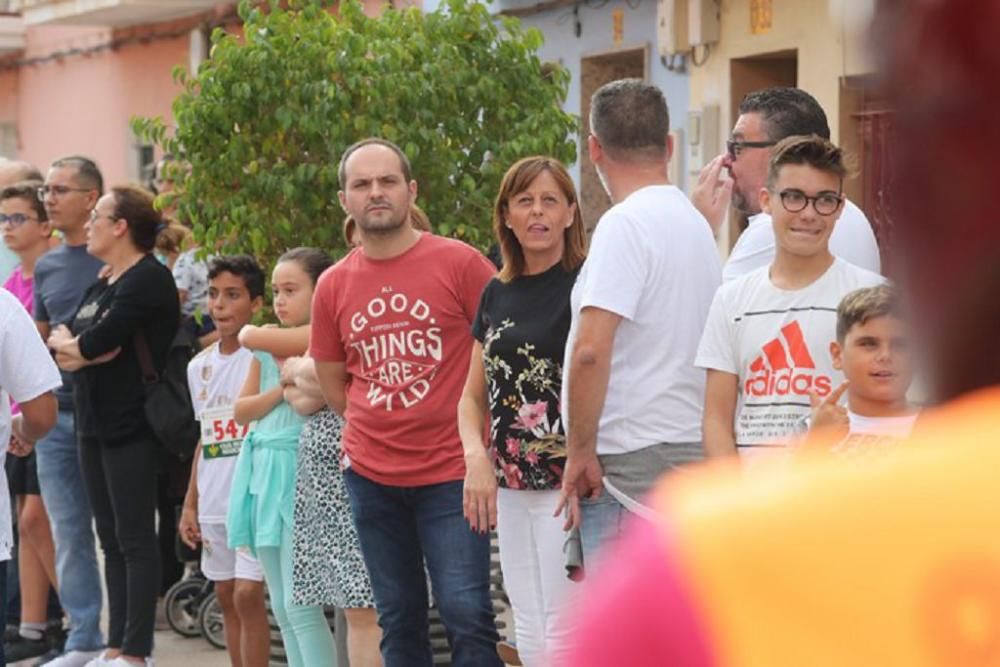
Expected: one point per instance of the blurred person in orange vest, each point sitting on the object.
(818, 560)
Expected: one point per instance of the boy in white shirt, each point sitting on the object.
(215, 377)
(765, 343)
(873, 351)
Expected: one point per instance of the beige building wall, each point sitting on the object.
(826, 37)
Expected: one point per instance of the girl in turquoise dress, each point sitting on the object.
(262, 497)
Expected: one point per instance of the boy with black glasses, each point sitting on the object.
(765, 344)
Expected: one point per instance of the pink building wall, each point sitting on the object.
(82, 103)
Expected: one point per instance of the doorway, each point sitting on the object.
(866, 127)
(595, 71)
(779, 68)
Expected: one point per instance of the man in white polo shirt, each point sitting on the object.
(632, 395)
(766, 117)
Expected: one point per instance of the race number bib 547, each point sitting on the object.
(220, 434)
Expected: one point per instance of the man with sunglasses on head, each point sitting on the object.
(766, 342)
(766, 117)
(71, 190)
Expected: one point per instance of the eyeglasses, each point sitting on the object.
(794, 201)
(15, 219)
(58, 190)
(94, 216)
(734, 148)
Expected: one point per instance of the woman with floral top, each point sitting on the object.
(513, 386)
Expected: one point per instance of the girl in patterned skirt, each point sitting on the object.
(261, 498)
(327, 566)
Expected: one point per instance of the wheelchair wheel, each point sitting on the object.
(211, 623)
(182, 604)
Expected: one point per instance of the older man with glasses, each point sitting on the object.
(766, 117)
(71, 190)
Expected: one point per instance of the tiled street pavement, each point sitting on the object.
(172, 650)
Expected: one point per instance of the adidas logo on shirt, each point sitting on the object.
(785, 367)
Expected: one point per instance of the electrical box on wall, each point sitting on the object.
(703, 22)
(672, 27)
(702, 137)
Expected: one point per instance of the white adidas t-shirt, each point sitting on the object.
(852, 239)
(26, 372)
(778, 343)
(652, 261)
(215, 380)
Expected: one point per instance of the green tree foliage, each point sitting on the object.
(265, 119)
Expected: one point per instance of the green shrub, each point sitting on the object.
(265, 119)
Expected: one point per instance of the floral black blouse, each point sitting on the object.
(523, 327)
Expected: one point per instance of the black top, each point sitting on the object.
(523, 327)
(110, 396)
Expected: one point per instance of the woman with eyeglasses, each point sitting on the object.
(136, 304)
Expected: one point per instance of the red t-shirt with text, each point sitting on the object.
(402, 327)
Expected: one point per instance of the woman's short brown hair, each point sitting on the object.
(173, 239)
(517, 179)
(134, 205)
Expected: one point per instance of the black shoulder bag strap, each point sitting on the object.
(149, 374)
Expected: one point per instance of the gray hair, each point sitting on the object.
(87, 173)
(630, 119)
(15, 171)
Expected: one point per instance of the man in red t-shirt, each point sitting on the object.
(391, 336)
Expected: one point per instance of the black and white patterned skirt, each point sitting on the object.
(327, 566)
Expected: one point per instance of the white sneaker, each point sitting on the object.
(99, 660)
(122, 662)
(75, 659)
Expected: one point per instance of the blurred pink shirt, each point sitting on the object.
(23, 289)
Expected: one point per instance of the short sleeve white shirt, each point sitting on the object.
(778, 343)
(215, 381)
(652, 261)
(869, 434)
(26, 372)
(852, 240)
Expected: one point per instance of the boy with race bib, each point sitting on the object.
(215, 377)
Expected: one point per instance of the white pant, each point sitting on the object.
(534, 573)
